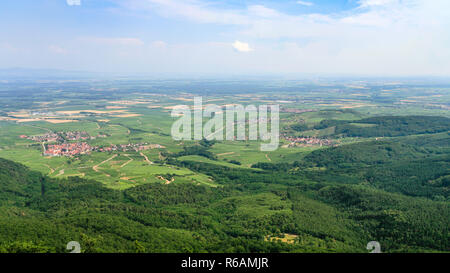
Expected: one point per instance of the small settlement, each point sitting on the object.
(57, 144)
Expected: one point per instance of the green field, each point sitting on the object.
(351, 167)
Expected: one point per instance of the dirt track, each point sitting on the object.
(95, 168)
(146, 159)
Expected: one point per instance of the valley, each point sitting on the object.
(353, 165)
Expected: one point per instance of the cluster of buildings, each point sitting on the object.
(62, 136)
(63, 148)
(49, 137)
(75, 135)
(68, 149)
(130, 147)
(296, 111)
(79, 148)
(308, 141)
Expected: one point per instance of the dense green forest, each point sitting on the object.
(393, 166)
(251, 210)
(386, 126)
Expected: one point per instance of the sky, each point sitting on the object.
(234, 37)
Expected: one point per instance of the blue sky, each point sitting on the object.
(364, 37)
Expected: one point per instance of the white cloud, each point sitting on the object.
(374, 3)
(193, 10)
(73, 2)
(304, 3)
(378, 36)
(391, 37)
(262, 11)
(241, 47)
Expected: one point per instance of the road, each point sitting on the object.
(146, 159)
(95, 168)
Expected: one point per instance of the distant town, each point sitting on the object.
(67, 149)
(63, 136)
(55, 144)
(309, 141)
(296, 111)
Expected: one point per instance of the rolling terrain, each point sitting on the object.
(101, 168)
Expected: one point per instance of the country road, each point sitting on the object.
(95, 168)
(146, 159)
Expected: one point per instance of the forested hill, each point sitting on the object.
(393, 166)
(18, 184)
(387, 126)
(250, 212)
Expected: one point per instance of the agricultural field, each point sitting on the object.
(353, 163)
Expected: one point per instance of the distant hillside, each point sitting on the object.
(388, 126)
(17, 183)
(390, 165)
(252, 211)
(364, 153)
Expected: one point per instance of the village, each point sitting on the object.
(49, 137)
(75, 135)
(308, 141)
(61, 136)
(295, 110)
(80, 148)
(60, 147)
(67, 149)
(136, 147)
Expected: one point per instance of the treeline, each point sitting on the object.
(200, 150)
(389, 165)
(387, 126)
